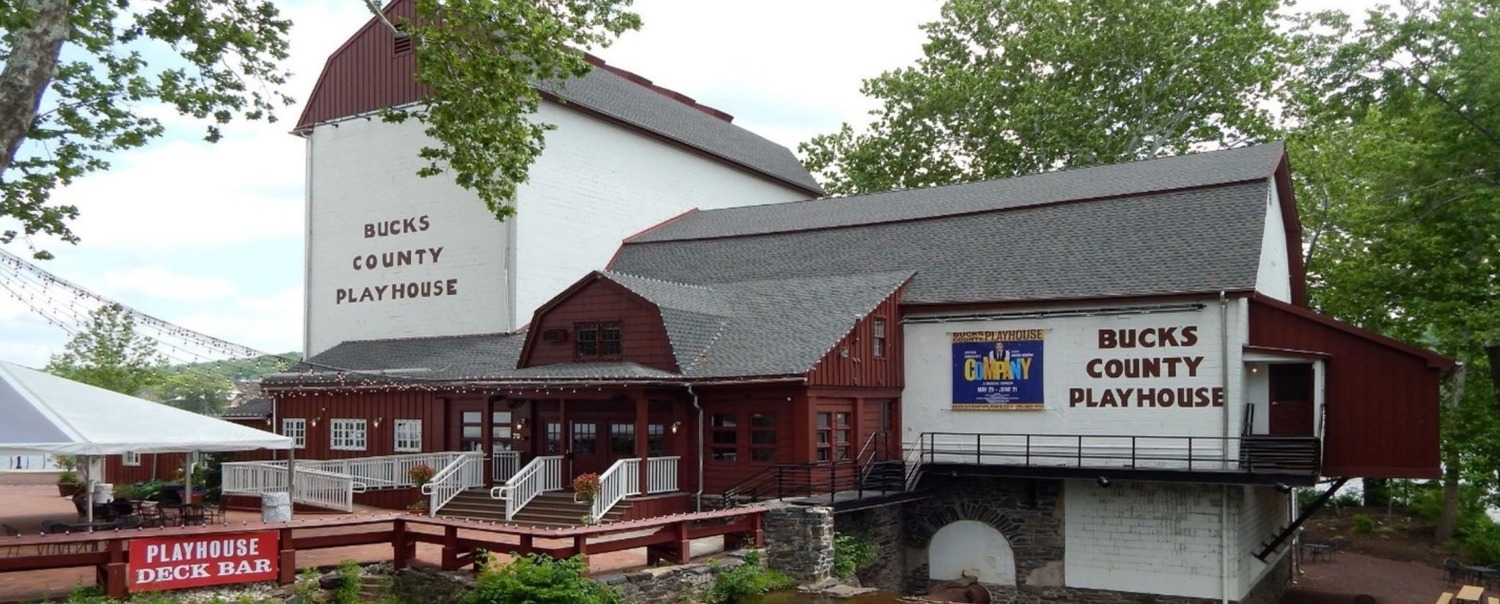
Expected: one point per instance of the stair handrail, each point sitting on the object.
(870, 445)
(540, 475)
(622, 479)
(464, 472)
(913, 462)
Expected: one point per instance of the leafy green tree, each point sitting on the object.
(76, 78)
(198, 392)
(1008, 87)
(110, 354)
(1400, 166)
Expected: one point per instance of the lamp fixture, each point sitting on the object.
(315, 421)
(519, 433)
(1103, 482)
(1283, 487)
(676, 426)
(378, 420)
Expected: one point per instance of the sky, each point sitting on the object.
(210, 236)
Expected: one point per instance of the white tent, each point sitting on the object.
(48, 414)
(43, 413)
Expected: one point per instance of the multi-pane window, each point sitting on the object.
(295, 429)
(598, 340)
(656, 440)
(724, 441)
(762, 437)
(878, 325)
(346, 435)
(408, 435)
(832, 432)
(584, 435)
(500, 430)
(131, 458)
(622, 439)
(553, 438)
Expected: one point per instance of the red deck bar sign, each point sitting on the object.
(200, 560)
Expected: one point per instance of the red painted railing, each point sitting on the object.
(665, 538)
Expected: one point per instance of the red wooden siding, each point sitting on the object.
(743, 403)
(658, 505)
(1380, 397)
(643, 338)
(365, 74)
(379, 440)
(860, 366)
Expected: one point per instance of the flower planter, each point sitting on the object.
(67, 490)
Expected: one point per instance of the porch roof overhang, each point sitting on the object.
(357, 382)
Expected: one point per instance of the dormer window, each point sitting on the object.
(597, 341)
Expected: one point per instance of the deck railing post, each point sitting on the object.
(1132, 452)
(288, 555)
(403, 550)
(978, 448)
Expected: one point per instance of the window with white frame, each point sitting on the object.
(131, 458)
(408, 435)
(295, 429)
(346, 435)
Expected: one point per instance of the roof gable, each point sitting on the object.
(366, 74)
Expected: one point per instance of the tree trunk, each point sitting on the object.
(1447, 523)
(28, 71)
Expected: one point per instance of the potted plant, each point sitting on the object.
(67, 484)
(586, 487)
(420, 475)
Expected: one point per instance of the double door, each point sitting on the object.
(592, 442)
(485, 427)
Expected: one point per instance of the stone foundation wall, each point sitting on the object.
(667, 584)
(884, 527)
(799, 542)
(1028, 512)
(1273, 585)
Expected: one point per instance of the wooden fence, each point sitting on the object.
(665, 538)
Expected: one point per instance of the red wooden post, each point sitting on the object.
(450, 548)
(525, 547)
(642, 452)
(112, 574)
(684, 547)
(403, 550)
(581, 543)
(288, 558)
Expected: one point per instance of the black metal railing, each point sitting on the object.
(1104, 451)
(824, 479)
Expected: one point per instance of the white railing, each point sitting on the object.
(465, 472)
(313, 487)
(506, 464)
(543, 474)
(382, 472)
(661, 474)
(622, 479)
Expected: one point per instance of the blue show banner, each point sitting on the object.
(998, 370)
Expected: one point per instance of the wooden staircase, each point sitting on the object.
(555, 509)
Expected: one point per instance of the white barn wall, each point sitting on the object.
(1274, 278)
(1263, 511)
(598, 184)
(595, 184)
(1146, 537)
(1070, 344)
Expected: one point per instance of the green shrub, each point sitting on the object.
(1363, 523)
(1483, 545)
(851, 553)
(539, 580)
(348, 589)
(306, 587)
(749, 579)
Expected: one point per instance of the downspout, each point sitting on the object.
(698, 497)
(1224, 489)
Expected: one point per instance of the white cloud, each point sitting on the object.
(162, 282)
(272, 323)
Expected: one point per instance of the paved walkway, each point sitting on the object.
(26, 506)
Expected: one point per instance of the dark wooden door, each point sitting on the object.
(1291, 399)
(589, 446)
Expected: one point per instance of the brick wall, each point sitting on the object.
(1148, 537)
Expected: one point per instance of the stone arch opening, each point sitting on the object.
(973, 546)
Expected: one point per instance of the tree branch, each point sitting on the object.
(28, 72)
(375, 10)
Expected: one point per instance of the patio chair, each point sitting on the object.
(217, 513)
(1453, 571)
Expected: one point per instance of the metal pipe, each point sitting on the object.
(1224, 453)
(698, 497)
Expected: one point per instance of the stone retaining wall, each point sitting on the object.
(799, 542)
(884, 527)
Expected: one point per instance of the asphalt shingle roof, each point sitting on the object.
(259, 406)
(417, 359)
(1203, 239)
(614, 95)
(1164, 174)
